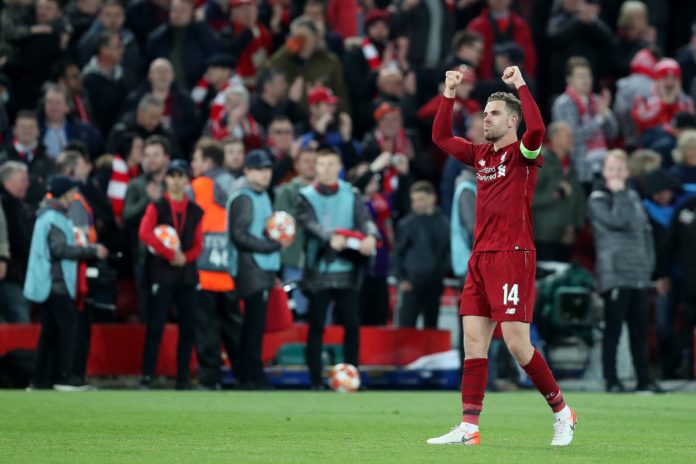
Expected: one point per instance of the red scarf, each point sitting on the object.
(22, 152)
(390, 178)
(80, 108)
(371, 54)
(596, 140)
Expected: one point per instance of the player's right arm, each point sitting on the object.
(460, 148)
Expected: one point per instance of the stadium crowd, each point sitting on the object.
(208, 115)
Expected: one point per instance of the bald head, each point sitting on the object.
(161, 75)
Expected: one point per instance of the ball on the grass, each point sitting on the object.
(345, 378)
(167, 235)
(281, 226)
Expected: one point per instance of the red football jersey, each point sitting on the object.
(505, 179)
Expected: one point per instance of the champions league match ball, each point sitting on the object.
(345, 378)
(280, 226)
(168, 236)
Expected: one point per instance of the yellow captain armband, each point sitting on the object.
(529, 154)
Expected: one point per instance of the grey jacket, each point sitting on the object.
(250, 277)
(564, 109)
(624, 240)
(307, 219)
(627, 89)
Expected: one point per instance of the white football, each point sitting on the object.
(345, 378)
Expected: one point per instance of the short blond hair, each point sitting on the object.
(686, 139)
(628, 9)
(643, 161)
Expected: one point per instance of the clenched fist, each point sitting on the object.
(452, 80)
(513, 76)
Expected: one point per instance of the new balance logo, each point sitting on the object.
(510, 311)
(482, 163)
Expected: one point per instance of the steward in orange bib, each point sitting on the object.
(218, 315)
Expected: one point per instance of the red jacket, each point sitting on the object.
(520, 33)
(651, 111)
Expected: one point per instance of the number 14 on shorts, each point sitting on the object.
(511, 294)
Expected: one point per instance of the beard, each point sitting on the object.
(493, 134)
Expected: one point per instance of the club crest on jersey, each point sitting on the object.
(501, 170)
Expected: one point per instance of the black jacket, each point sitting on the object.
(678, 247)
(250, 277)
(422, 249)
(40, 168)
(198, 45)
(185, 121)
(129, 124)
(20, 226)
(77, 130)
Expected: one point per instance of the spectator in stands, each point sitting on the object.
(148, 188)
(424, 31)
(106, 81)
(234, 156)
(16, 19)
(302, 55)
(286, 199)
(678, 248)
(663, 196)
(558, 205)
(235, 120)
(26, 148)
(467, 50)
(36, 53)
(326, 126)
(68, 76)
(204, 160)
(421, 257)
(180, 116)
(686, 57)
(362, 62)
(273, 98)
(173, 272)
(258, 261)
(14, 183)
(374, 289)
(653, 114)
(58, 128)
(625, 262)
(187, 43)
(575, 29)
(684, 157)
(145, 16)
(246, 38)
(111, 18)
(638, 84)
(218, 314)
(315, 11)
(497, 24)
(282, 147)
(634, 34)
(331, 212)
(126, 165)
(209, 92)
(80, 14)
(59, 321)
(590, 118)
(399, 90)
(4, 248)
(146, 122)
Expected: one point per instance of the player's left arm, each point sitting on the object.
(533, 137)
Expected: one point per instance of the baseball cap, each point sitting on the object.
(321, 95)
(667, 67)
(59, 185)
(178, 165)
(375, 15)
(384, 109)
(258, 159)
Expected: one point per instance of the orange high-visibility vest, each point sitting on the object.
(214, 222)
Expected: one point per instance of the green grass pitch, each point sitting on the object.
(373, 427)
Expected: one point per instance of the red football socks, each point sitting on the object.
(474, 380)
(543, 380)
